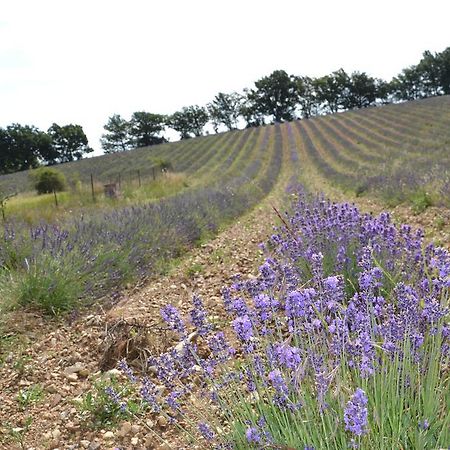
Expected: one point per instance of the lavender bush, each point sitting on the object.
(342, 340)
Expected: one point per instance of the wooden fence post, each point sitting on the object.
(92, 188)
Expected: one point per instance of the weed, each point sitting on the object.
(194, 269)
(17, 434)
(29, 396)
(108, 403)
(420, 201)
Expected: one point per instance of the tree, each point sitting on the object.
(117, 138)
(360, 92)
(225, 109)
(250, 109)
(331, 90)
(277, 95)
(189, 121)
(69, 143)
(22, 147)
(444, 70)
(307, 97)
(408, 84)
(47, 180)
(145, 128)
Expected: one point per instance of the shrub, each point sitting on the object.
(48, 286)
(48, 180)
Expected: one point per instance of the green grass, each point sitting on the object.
(33, 208)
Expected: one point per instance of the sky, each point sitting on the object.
(81, 61)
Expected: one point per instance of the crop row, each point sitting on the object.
(53, 264)
(394, 157)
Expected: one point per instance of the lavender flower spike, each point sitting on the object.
(355, 414)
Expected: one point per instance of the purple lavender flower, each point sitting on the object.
(126, 369)
(206, 431)
(199, 317)
(172, 317)
(355, 414)
(288, 356)
(253, 435)
(243, 328)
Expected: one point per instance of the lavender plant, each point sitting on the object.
(342, 340)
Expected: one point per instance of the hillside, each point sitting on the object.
(391, 151)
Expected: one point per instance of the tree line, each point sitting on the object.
(277, 97)
(282, 97)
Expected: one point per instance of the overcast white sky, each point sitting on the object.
(81, 61)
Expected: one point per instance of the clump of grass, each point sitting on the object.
(420, 201)
(47, 285)
(29, 396)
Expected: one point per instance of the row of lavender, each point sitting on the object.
(53, 264)
(342, 341)
(399, 152)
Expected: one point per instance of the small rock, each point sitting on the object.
(56, 434)
(55, 399)
(108, 435)
(162, 422)
(125, 429)
(85, 443)
(72, 377)
(134, 441)
(113, 373)
(94, 446)
(135, 429)
(76, 368)
(52, 389)
(164, 447)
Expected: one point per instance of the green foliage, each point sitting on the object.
(48, 286)
(117, 137)
(194, 269)
(145, 128)
(420, 201)
(22, 147)
(108, 403)
(68, 142)
(29, 396)
(17, 434)
(189, 121)
(277, 95)
(225, 109)
(161, 164)
(48, 180)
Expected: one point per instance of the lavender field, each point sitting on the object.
(339, 340)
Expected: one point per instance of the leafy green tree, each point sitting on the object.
(117, 138)
(332, 90)
(23, 147)
(250, 109)
(145, 128)
(277, 95)
(444, 70)
(307, 97)
(434, 70)
(225, 109)
(408, 84)
(360, 92)
(47, 180)
(385, 91)
(69, 143)
(189, 121)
